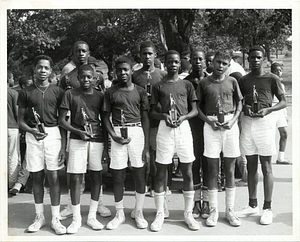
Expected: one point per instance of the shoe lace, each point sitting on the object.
(232, 214)
(213, 214)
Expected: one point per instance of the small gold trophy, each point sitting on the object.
(40, 126)
(87, 126)
(220, 111)
(148, 88)
(173, 111)
(255, 104)
(124, 129)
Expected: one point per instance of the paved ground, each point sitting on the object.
(285, 226)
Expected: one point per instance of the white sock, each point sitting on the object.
(281, 155)
(205, 195)
(55, 211)
(93, 209)
(119, 205)
(69, 205)
(188, 200)
(76, 212)
(100, 201)
(159, 201)
(229, 197)
(39, 208)
(213, 198)
(140, 197)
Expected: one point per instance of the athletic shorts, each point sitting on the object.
(279, 118)
(43, 153)
(174, 140)
(153, 134)
(133, 150)
(221, 140)
(84, 155)
(257, 136)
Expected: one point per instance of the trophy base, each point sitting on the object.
(221, 118)
(124, 133)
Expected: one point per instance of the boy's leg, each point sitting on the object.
(197, 186)
(102, 210)
(282, 145)
(205, 205)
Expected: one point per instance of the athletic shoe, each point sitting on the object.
(141, 223)
(248, 211)
(158, 222)
(196, 209)
(103, 211)
(151, 194)
(94, 224)
(132, 214)
(38, 222)
(15, 189)
(241, 183)
(166, 210)
(267, 217)
(232, 218)
(66, 213)
(58, 227)
(212, 219)
(74, 226)
(190, 221)
(204, 212)
(117, 220)
(283, 162)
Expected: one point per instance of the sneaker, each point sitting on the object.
(283, 162)
(74, 226)
(58, 227)
(141, 223)
(267, 217)
(241, 183)
(212, 219)
(15, 189)
(158, 222)
(196, 209)
(166, 210)
(151, 194)
(232, 218)
(248, 211)
(94, 224)
(38, 222)
(132, 214)
(117, 220)
(66, 213)
(204, 212)
(103, 211)
(190, 221)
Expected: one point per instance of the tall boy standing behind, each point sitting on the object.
(45, 141)
(222, 100)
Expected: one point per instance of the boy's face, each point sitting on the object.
(277, 71)
(81, 53)
(256, 59)
(123, 72)
(147, 56)
(43, 70)
(197, 61)
(220, 65)
(10, 80)
(173, 64)
(86, 79)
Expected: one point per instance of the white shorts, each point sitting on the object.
(174, 140)
(43, 153)
(84, 155)
(279, 118)
(221, 140)
(257, 136)
(133, 150)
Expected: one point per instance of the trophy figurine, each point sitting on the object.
(220, 111)
(124, 129)
(148, 88)
(40, 126)
(87, 126)
(173, 111)
(255, 104)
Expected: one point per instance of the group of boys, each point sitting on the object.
(149, 115)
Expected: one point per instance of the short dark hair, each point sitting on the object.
(81, 42)
(185, 52)
(171, 52)
(223, 54)
(122, 60)
(275, 65)
(23, 80)
(209, 54)
(43, 57)
(195, 51)
(85, 67)
(257, 48)
(185, 65)
(147, 44)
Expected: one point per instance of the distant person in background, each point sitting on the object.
(136, 57)
(68, 67)
(281, 118)
(185, 55)
(185, 69)
(209, 62)
(158, 64)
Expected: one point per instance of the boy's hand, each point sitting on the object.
(248, 110)
(105, 155)
(228, 124)
(180, 120)
(85, 136)
(169, 122)
(38, 135)
(61, 156)
(263, 112)
(215, 125)
(121, 140)
(146, 155)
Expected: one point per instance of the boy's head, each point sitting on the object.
(256, 57)
(10, 78)
(86, 76)
(197, 60)
(221, 62)
(43, 67)
(209, 61)
(135, 53)
(276, 69)
(185, 55)
(157, 63)
(24, 81)
(81, 52)
(257, 48)
(185, 66)
(123, 66)
(172, 62)
(148, 53)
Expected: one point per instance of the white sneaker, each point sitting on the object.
(74, 226)
(248, 211)
(132, 214)
(94, 224)
(66, 213)
(117, 220)
(38, 222)
(141, 223)
(213, 217)
(166, 210)
(103, 211)
(267, 217)
(58, 227)
(158, 222)
(190, 221)
(232, 218)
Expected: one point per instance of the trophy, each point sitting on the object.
(220, 111)
(87, 126)
(124, 130)
(40, 126)
(173, 111)
(148, 88)
(255, 104)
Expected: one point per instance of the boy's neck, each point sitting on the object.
(89, 90)
(257, 72)
(40, 83)
(171, 78)
(218, 78)
(198, 73)
(127, 85)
